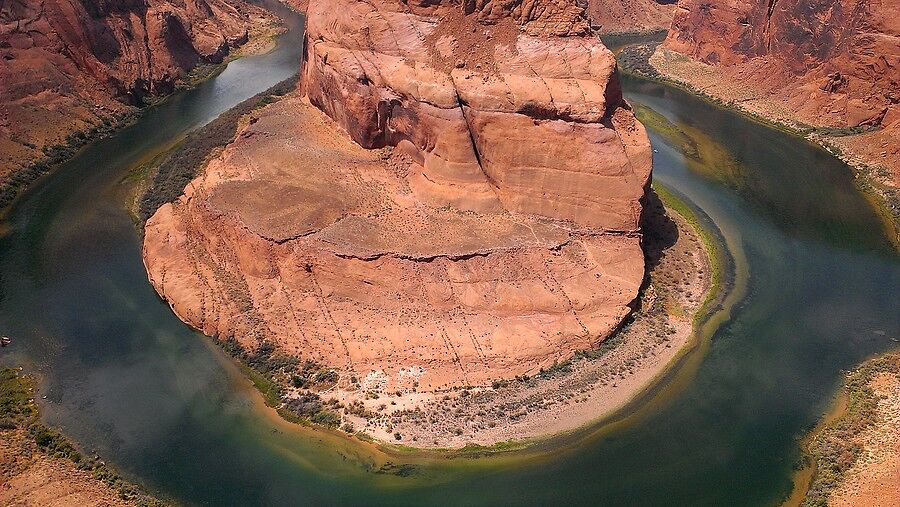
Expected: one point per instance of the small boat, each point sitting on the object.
(4, 341)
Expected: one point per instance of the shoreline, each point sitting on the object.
(573, 397)
(845, 449)
(636, 59)
(806, 478)
(261, 39)
(803, 478)
(592, 417)
(38, 463)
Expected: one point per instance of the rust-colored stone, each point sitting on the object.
(67, 65)
(499, 235)
(630, 15)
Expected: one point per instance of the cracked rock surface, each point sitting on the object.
(451, 197)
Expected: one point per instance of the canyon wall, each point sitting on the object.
(610, 16)
(67, 65)
(453, 196)
(298, 5)
(833, 64)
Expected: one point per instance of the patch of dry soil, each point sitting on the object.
(28, 477)
(874, 480)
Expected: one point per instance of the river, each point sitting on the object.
(126, 379)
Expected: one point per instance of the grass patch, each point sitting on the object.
(274, 373)
(710, 243)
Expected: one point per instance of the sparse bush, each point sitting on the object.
(326, 418)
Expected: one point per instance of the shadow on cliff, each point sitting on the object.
(660, 231)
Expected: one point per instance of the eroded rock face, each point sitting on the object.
(835, 63)
(68, 64)
(498, 119)
(630, 15)
(452, 198)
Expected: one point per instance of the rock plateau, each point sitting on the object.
(451, 197)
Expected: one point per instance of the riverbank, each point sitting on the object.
(855, 147)
(866, 151)
(163, 178)
(40, 466)
(262, 36)
(856, 452)
(104, 121)
(684, 281)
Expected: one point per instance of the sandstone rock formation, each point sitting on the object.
(829, 64)
(298, 5)
(630, 15)
(460, 205)
(66, 65)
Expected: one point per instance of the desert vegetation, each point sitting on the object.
(839, 446)
(28, 438)
(189, 158)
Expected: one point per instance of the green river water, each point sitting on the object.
(817, 280)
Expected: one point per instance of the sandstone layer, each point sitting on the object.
(68, 65)
(832, 65)
(453, 199)
(613, 16)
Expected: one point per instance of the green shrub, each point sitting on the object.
(327, 418)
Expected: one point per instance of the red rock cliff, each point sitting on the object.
(500, 112)
(630, 15)
(498, 236)
(835, 63)
(68, 64)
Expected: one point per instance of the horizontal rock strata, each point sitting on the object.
(452, 198)
(67, 65)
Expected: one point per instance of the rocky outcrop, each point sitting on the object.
(613, 16)
(497, 118)
(67, 65)
(465, 209)
(829, 64)
(298, 5)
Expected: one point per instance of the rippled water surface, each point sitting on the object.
(125, 378)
